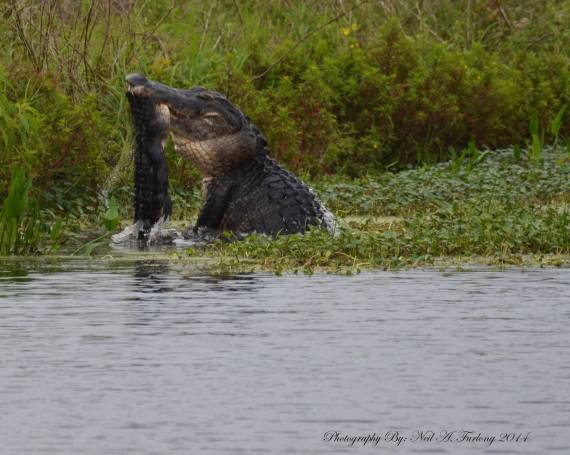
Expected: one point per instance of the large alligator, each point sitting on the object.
(245, 190)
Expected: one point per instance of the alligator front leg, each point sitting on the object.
(212, 213)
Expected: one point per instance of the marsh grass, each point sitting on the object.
(19, 218)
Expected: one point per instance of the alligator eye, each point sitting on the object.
(211, 114)
(204, 96)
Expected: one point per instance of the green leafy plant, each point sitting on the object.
(111, 216)
(110, 221)
(19, 218)
(556, 124)
(535, 150)
(517, 152)
(468, 159)
(335, 90)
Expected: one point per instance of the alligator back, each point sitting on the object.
(266, 198)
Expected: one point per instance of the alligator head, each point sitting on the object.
(206, 128)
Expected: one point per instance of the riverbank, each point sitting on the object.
(498, 209)
(20, 267)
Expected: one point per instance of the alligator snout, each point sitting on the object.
(138, 85)
(136, 79)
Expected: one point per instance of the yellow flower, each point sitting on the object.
(345, 31)
(354, 27)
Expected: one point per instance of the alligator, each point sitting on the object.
(245, 190)
(152, 204)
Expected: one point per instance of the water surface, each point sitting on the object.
(150, 358)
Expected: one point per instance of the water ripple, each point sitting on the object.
(146, 359)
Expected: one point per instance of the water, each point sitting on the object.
(150, 358)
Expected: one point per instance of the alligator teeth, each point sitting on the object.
(137, 90)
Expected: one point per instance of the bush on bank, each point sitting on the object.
(383, 85)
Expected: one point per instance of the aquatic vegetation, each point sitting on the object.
(535, 150)
(500, 211)
(556, 124)
(501, 176)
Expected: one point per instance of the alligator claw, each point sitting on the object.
(159, 234)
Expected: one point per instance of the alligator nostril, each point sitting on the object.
(136, 79)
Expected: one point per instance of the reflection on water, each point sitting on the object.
(151, 277)
(147, 358)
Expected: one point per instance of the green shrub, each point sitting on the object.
(384, 85)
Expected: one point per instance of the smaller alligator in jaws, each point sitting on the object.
(245, 190)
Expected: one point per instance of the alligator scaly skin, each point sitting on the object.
(148, 158)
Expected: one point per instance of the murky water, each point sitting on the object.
(146, 358)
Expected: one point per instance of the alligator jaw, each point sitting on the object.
(138, 85)
(135, 79)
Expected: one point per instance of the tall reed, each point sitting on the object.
(19, 217)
